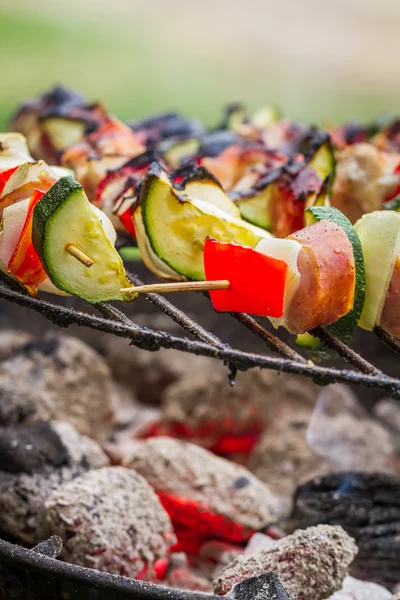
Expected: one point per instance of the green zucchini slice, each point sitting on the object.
(256, 208)
(64, 216)
(379, 233)
(345, 327)
(323, 161)
(63, 132)
(176, 227)
(205, 187)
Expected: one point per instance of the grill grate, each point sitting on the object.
(113, 321)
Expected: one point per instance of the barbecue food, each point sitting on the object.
(36, 459)
(272, 168)
(111, 520)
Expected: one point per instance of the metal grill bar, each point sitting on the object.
(272, 341)
(177, 315)
(389, 340)
(153, 340)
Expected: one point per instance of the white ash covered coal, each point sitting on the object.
(58, 377)
(36, 459)
(367, 506)
(311, 563)
(283, 457)
(12, 340)
(354, 589)
(110, 519)
(210, 495)
(344, 434)
(396, 597)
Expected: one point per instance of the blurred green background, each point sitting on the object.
(312, 58)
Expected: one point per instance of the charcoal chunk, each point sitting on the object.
(31, 448)
(311, 563)
(36, 459)
(198, 485)
(367, 506)
(58, 377)
(111, 520)
(267, 586)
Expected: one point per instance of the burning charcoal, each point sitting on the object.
(58, 377)
(353, 589)
(283, 457)
(230, 419)
(311, 563)
(388, 411)
(267, 586)
(367, 506)
(111, 520)
(212, 496)
(36, 459)
(345, 434)
(12, 340)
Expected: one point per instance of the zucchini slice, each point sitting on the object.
(256, 209)
(379, 233)
(176, 227)
(63, 132)
(345, 327)
(202, 185)
(64, 216)
(323, 161)
(147, 254)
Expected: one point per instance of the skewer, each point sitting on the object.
(181, 286)
(79, 255)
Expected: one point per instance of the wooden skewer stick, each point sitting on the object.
(79, 255)
(181, 286)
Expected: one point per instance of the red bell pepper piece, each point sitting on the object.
(5, 176)
(258, 282)
(397, 190)
(126, 219)
(25, 264)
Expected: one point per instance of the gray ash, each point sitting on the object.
(311, 563)
(367, 506)
(36, 459)
(110, 519)
(58, 377)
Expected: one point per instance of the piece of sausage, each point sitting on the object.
(390, 318)
(327, 277)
